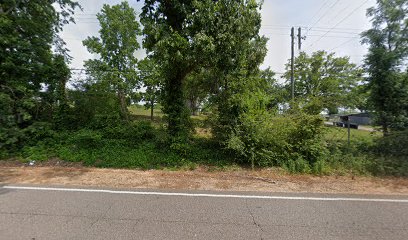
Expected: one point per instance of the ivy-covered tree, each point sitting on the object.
(116, 47)
(186, 35)
(169, 39)
(236, 52)
(385, 61)
(324, 81)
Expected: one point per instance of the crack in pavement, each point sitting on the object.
(253, 220)
(356, 227)
(124, 219)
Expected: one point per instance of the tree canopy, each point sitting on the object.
(324, 80)
(186, 35)
(116, 47)
(385, 63)
(31, 73)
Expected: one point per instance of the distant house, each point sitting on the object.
(354, 119)
(357, 118)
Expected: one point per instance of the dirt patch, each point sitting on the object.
(201, 179)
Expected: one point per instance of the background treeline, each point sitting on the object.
(203, 59)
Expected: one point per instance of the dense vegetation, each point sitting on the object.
(203, 59)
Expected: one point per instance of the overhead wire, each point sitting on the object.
(318, 11)
(340, 22)
(321, 17)
(342, 44)
(306, 26)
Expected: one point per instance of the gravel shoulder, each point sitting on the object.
(201, 179)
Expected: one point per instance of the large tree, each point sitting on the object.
(116, 47)
(324, 81)
(185, 35)
(169, 39)
(28, 65)
(385, 61)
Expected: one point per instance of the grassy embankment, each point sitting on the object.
(143, 146)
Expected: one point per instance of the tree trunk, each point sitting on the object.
(123, 105)
(151, 109)
(62, 91)
(385, 129)
(175, 107)
(194, 106)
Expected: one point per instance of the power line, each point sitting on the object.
(317, 30)
(320, 9)
(339, 13)
(327, 36)
(325, 13)
(335, 34)
(340, 22)
(306, 27)
(342, 44)
(353, 33)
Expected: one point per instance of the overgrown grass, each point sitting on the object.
(356, 136)
(144, 145)
(139, 113)
(111, 148)
(360, 157)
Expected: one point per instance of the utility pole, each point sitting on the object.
(292, 64)
(299, 38)
(292, 60)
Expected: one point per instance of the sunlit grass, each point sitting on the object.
(340, 134)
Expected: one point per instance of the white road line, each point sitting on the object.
(207, 195)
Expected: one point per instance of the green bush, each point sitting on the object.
(86, 139)
(393, 145)
(14, 138)
(293, 141)
(133, 132)
(389, 166)
(297, 166)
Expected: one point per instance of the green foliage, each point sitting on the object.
(28, 30)
(13, 139)
(124, 145)
(276, 93)
(150, 75)
(268, 140)
(393, 145)
(324, 81)
(199, 53)
(385, 61)
(86, 139)
(390, 166)
(184, 36)
(297, 166)
(86, 107)
(117, 45)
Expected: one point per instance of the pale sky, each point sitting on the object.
(331, 25)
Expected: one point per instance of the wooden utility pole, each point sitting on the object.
(292, 64)
(299, 38)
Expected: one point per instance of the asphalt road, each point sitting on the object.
(103, 214)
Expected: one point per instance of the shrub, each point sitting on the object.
(291, 140)
(394, 144)
(14, 138)
(133, 132)
(86, 138)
